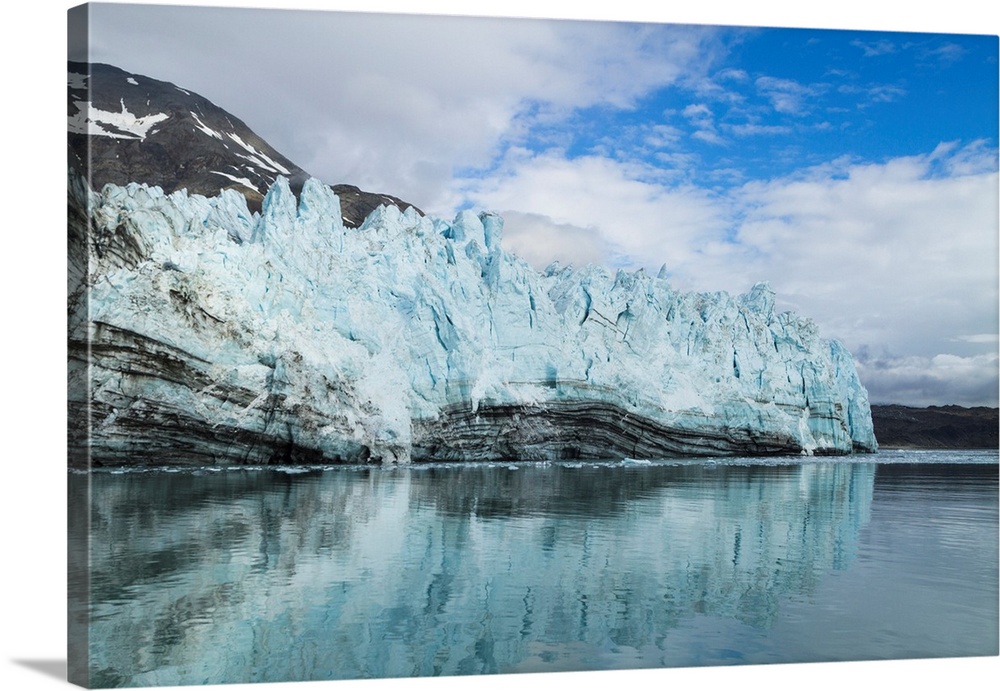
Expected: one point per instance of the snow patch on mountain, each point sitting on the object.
(205, 128)
(258, 157)
(123, 125)
(241, 181)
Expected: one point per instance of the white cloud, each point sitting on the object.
(708, 135)
(680, 164)
(629, 221)
(711, 89)
(972, 159)
(786, 95)
(945, 53)
(979, 338)
(902, 257)
(703, 120)
(885, 93)
(875, 48)
(732, 74)
(750, 129)
(663, 136)
(539, 240)
(921, 380)
(698, 113)
(397, 102)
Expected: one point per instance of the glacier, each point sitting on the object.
(203, 333)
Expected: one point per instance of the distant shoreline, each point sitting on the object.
(899, 427)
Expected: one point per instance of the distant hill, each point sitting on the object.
(936, 427)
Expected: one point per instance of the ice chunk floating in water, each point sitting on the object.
(217, 335)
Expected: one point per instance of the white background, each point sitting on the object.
(32, 333)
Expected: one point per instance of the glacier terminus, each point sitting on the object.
(204, 333)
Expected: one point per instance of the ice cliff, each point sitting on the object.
(203, 333)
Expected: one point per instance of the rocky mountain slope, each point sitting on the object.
(127, 127)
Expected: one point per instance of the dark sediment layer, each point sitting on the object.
(124, 425)
(578, 430)
(147, 433)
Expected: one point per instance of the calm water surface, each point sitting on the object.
(274, 575)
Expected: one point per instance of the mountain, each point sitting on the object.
(127, 127)
(202, 332)
(936, 427)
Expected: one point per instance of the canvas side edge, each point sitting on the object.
(78, 385)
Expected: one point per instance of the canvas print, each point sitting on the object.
(408, 345)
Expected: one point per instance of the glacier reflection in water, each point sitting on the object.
(264, 575)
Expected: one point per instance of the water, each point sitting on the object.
(296, 574)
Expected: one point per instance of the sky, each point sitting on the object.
(855, 171)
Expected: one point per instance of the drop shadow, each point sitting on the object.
(55, 668)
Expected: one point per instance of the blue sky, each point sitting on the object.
(778, 100)
(855, 171)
